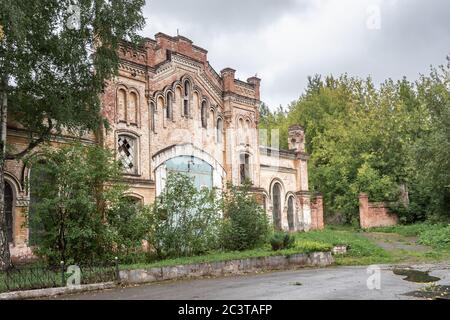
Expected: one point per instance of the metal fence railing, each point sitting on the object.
(39, 277)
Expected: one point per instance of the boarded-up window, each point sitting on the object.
(133, 108)
(276, 201)
(203, 115)
(121, 103)
(290, 213)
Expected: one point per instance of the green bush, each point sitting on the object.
(72, 198)
(184, 221)
(128, 226)
(308, 246)
(281, 241)
(245, 225)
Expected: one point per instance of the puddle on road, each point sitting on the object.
(433, 292)
(416, 275)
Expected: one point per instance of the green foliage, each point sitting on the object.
(377, 140)
(245, 224)
(184, 221)
(436, 238)
(282, 240)
(358, 246)
(74, 199)
(128, 226)
(47, 65)
(308, 246)
(434, 235)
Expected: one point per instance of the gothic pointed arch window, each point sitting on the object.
(247, 132)
(169, 105)
(186, 98)
(152, 116)
(219, 130)
(121, 105)
(276, 205)
(133, 107)
(240, 131)
(203, 114)
(290, 213)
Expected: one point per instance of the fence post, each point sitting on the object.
(62, 274)
(116, 259)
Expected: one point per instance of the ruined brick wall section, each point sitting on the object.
(317, 214)
(374, 214)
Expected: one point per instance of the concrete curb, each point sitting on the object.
(223, 268)
(188, 271)
(49, 292)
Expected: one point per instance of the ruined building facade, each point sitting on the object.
(169, 110)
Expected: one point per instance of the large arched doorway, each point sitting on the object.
(276, 201)
(9, 198)
(290, 213)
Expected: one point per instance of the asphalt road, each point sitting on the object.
(326, 283)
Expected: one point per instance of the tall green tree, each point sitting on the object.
(391, 141)
(55, 59)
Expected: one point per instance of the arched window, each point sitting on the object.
(219, 130)
(290, 213)
(152, 116)
(187, 95)
(247, 132)
(169, 103)
(133, 108)
(276, 201)
(127, 151)
(240, 131)
(244, 167)
(121, 105)
(203, 115)
(9, 201)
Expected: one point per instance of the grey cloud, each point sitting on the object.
(285, 41)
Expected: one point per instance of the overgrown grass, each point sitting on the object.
(436, 236)
(409, 230)
(361, 251)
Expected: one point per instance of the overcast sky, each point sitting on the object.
(284, 41)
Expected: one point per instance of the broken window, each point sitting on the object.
(169, 106)
(203, 115)
(127, 154)
(244, 166)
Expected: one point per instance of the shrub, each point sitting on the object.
(282, 240)
(128, 226)
(184, 221)
(309, 246)
(71, 184)
(245, 225)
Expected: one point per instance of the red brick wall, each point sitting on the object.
(374, 214)
(317, 214)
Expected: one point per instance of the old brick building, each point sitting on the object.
(169, 110)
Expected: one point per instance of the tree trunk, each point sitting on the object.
(5, 257)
